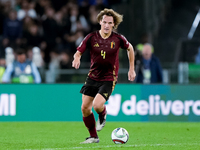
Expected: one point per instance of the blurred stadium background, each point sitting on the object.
(50, 27)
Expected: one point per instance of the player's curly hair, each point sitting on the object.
(109, 12)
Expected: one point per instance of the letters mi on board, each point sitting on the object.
(7, 105)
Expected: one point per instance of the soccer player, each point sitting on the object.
(104, 48)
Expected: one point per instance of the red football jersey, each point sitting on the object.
(104, 54)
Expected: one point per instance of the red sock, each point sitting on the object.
(90, 124)
(102, 114)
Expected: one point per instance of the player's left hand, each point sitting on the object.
(131, 75)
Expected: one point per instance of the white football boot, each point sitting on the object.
(90, 140)
(101, 123)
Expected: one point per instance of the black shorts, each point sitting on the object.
(92, 87)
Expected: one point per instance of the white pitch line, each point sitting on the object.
(108, 146)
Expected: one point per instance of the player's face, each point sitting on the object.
(107, 24)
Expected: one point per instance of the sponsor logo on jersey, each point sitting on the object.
(96, 45)
(112, 44)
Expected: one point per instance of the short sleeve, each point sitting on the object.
(124, 42)
(83, 45)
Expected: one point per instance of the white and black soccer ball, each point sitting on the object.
(120, 136)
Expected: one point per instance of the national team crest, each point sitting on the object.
(112, 44)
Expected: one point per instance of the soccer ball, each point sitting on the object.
(119, 136)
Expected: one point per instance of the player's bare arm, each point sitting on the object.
(76, 62)
(131, 57)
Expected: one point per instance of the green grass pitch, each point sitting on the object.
(68, 135)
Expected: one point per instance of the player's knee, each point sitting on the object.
(85, 110)
(96, 107)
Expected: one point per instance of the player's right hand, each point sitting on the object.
(76, 63)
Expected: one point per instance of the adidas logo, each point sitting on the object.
(105, 94)
(96, 45)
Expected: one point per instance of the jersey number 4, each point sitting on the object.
(103, 54)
